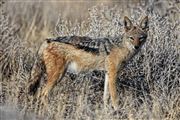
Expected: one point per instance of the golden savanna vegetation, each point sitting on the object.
(148, 86)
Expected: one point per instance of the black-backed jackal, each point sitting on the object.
(77, 54)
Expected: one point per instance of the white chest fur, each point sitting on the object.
(73, 67)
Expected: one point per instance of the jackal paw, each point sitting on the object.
(115, 105)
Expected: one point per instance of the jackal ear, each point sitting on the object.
(127, 24)
(144, 23)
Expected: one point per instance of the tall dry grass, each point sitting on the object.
(148, 86)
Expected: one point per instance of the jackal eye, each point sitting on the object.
(131, 38)
(142, 38)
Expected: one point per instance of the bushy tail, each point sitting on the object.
(36, 73)
(37, 70)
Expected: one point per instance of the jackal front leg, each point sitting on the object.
(112, 78)
(105, 96)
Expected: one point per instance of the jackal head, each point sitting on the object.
(135, 35)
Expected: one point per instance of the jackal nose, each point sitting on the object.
(136, 47)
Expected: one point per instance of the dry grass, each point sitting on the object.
(148, 86)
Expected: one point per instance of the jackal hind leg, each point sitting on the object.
(55, 69)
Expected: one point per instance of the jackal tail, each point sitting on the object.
(37, 71)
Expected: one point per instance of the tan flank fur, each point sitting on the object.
(58, 57)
